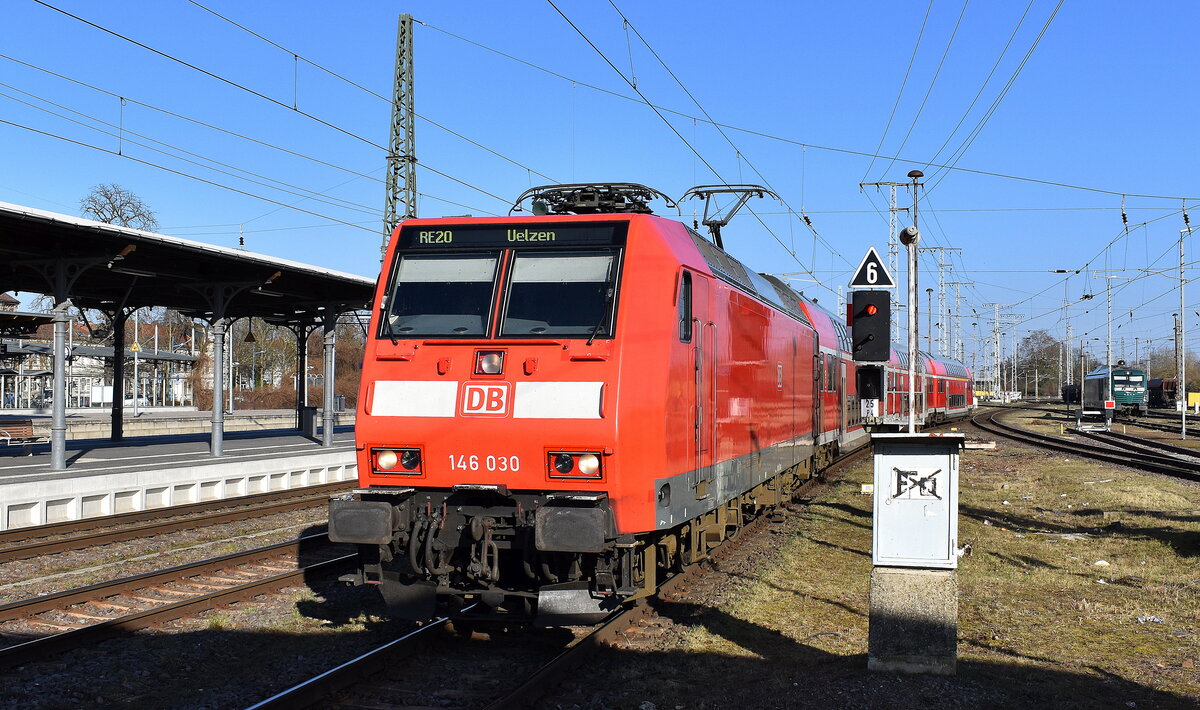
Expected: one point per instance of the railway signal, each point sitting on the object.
(870, 325)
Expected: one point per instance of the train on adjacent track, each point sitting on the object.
(1162, 392)
(1124, 387)
(556, 410)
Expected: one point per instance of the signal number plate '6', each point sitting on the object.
(475, 462)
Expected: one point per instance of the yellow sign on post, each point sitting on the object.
(135, 348)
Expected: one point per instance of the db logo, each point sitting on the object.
(486, 400)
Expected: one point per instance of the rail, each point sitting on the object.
(1146, 462)
(51, 645)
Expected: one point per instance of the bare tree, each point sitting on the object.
(113, 204)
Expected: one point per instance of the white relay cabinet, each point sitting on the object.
(916, 500)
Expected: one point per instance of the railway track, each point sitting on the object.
(87, 615)
(24, 543)
(359, 676)
(1129, 455)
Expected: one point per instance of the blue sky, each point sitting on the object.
(1103, 102)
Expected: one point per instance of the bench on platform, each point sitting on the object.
(19, 432)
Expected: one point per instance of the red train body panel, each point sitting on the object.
(554, 409)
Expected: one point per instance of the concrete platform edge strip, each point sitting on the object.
(39, 502)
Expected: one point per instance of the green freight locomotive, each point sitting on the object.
(1126, 389)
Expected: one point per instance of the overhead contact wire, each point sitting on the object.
(183, 174)
(793, 141)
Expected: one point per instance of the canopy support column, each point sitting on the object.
(58, 423)
(60, 276)
(302, 332)
(118, 318)
(217, 439)
(330, 374)
(218, 296)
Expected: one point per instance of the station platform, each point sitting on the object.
(153, 421)
(145, 472)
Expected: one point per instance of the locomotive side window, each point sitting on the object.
(685, 308)
(442, 295)
(561, 293)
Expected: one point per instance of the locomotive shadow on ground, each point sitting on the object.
(788, 590)
(333, 602)
(171, 670)
(1184, 543)
(802, 676)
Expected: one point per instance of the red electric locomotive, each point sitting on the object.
(556, 408)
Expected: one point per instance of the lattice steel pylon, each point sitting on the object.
(401, 199)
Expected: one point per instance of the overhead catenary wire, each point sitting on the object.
(741, 156)
(372, 92)
(970, 139)
(253, 92)
(793, 141)
(987, 80)
(173, 114)
(197, 178)
(674, 130)
(213, 75)
(937, 72)
(900, 93)
(287, 187)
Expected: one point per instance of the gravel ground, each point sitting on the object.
(22, 579)
(229, 658)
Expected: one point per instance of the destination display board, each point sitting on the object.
(549, 234)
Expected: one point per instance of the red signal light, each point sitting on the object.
(872, 309)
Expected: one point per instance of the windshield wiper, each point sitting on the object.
(608, 297)
(388, 324)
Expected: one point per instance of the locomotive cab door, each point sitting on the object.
(704, 388)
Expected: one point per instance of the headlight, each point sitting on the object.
(589, 464)
(489, 362)
(386, 459)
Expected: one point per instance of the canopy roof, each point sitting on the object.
(116, 266)
(19, 323)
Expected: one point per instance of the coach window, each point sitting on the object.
(685, 308)
(441, 295)
(561, 293)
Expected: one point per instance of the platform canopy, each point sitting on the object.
(116, 269)
(19, 324)
(116, 266)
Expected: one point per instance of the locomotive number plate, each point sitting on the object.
(489, 462)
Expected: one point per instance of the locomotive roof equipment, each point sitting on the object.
(718, 220)
(591, 198)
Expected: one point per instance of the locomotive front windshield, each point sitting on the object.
(442, 295)
(559, 294)
(457, 287)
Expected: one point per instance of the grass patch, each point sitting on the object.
(1034, 603)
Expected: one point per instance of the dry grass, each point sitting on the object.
(1033, 604)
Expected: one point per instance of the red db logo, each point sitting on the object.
(486, 400)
